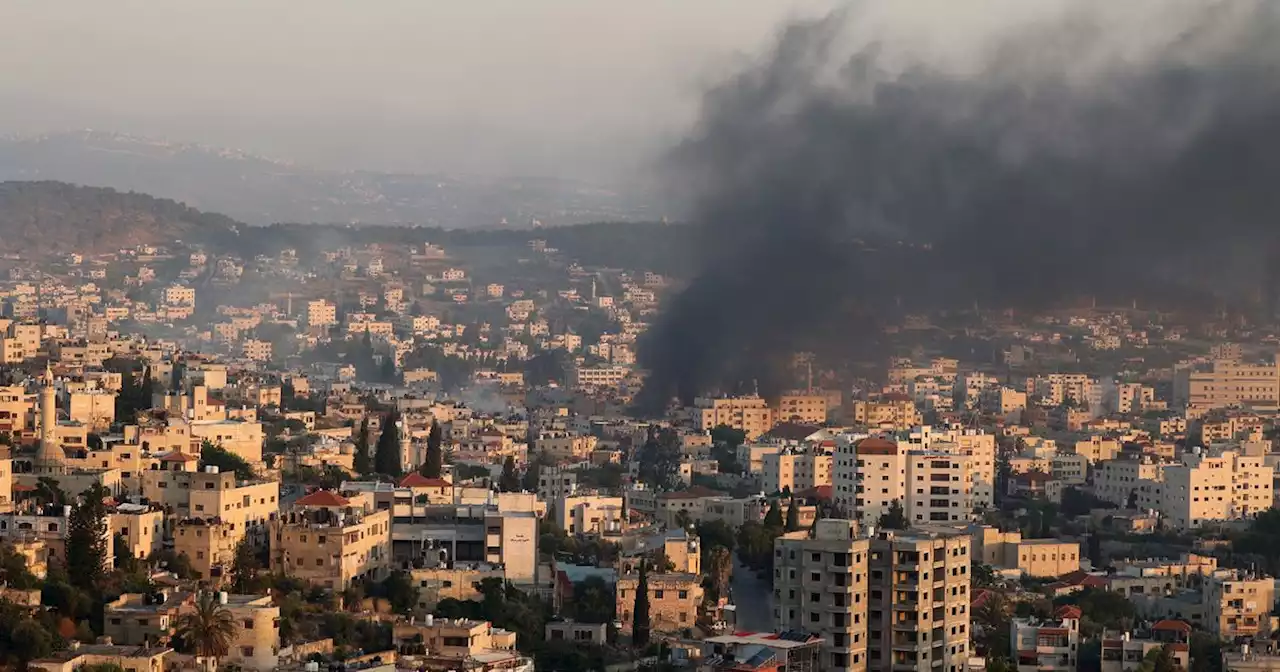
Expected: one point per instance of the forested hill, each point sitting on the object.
(55, 217)
(50, 217)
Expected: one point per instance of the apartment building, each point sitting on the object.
(329, 540)
(892, 412)
(1237, 604)
(257, 350)
(979, 446)
(566, 446)
(878, 603)
(1118, 480)
(820, 586)
(596, 377)
(930, 486)
(1224, 383)
(1046, 646)
(555, 483)
(102, 656)
(209, 545)
(919, 600)
(1214, 485)
(321, 313)
(1125, 652)
(674, 601)
(246, 506)
(140, 525)
(750, 414)
(795, 470)
(138, 619)
(801, 407)
(589, 514)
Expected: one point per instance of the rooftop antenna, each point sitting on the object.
(809, 364)
(755, 387)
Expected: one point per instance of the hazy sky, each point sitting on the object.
(561, 87)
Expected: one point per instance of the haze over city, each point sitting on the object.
(698, 336)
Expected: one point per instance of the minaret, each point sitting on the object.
(49, 457)
(406, 454)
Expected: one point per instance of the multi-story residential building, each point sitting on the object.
(329, 540)
(919, 585)
(138, 619)
(257, 350)
(1125, 652)
(1238, 605)
(820, 585)
(795, 470)
(177, 295)
(140, 525)
(1210, 486)
(1226, 383)
(1048, 646)
(555, 483)
(930, 486)
(750, 414)
(898, 600)
(321, 313)
(589, 514)
(1119, 480)
(674, 600)
(596, 377)
(796, 651)
(891, 412)
(566, 445)
(209, 545)
(801, 407)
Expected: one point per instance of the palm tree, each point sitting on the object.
(209, 629)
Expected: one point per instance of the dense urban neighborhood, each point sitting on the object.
(427, 456)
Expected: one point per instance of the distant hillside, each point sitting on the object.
(260, 191)
(47, 217)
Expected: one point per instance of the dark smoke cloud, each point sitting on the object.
(1064, 158)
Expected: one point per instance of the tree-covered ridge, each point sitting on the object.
(56, 216)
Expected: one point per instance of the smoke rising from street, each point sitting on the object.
(860, 169)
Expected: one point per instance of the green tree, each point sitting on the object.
(212, 455)
(14, 571)
(893, 519)
(400, 591)
(208, 630)
(720, 571)
(433, 466)
(640, 613)
(509, 481)
(1159, 660)
(87, 538)
(363, 465)
(773, 518)
(28, 640)
(793, 516)
(593, 601)
(245, 567)
(386, 457)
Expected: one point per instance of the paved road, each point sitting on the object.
(754, 599)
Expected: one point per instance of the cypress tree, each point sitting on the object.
(362, 463)
(640, 615)
(87, 539)
(510, 480)
(773, 519)
(386, 458)
(793, 516)
(434, 464)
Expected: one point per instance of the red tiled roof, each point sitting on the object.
(822, 492)
(323, 498)
(1033, 477)
(178, 456)
(1067, 611)
(416, 480)
(18, 487)
(875, 446)
(1167, 624)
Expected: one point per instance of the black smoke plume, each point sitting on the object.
(1064, 158)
